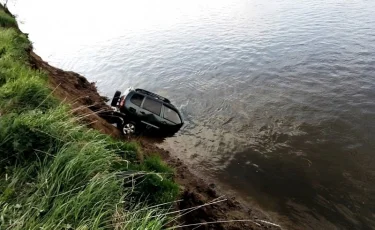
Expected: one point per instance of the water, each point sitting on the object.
(278, 96)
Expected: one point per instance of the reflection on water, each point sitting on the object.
(321, 176)
(278, 96)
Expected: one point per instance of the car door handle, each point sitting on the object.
(143, 112)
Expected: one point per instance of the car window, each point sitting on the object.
(137, 99)
(171, 115)
(152, 105)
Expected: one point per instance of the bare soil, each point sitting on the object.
(85, 101)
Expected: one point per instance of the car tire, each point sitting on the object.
(128, 128)
(116, 98)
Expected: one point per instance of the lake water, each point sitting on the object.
(278, 95)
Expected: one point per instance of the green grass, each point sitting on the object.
(164, 189)
(14, 44)
(6, 20)
(55, 173)
(70, 174)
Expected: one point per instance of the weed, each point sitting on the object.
(14, 44)
(6, 20)
(158, 187)
(21, 95)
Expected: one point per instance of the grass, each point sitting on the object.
(13, 44)
(57, 174)
(6, 20)
(164, 189)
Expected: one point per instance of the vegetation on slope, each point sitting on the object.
(57, 174)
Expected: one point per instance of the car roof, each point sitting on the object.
(154, 95)
(164, 100)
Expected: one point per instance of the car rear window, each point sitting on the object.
(152, 105)
(171, 115)
(137, 99)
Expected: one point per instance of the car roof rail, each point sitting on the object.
(153, 95)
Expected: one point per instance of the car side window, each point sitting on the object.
(152, 105)
(137, 99)
(171, 115)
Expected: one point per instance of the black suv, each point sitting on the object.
(141, 110)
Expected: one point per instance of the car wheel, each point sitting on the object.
(115, 99)
(128, 128)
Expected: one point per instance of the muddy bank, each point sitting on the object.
(87, 103)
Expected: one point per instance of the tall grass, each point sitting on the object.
(14, 44)
(6, 20)
(164, 189)
(64, 174)
(57, 174)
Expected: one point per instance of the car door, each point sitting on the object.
(151, 110)
(133, 106)
(171, 119)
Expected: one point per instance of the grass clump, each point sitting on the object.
(14, 44)
(6, 20)
(74, 188)
(160, 182)
(21, 95)
(11, 70)
(57, 174)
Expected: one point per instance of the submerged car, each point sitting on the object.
(144, 111)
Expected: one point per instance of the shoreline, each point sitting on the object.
(76, 90)
(195, 193)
